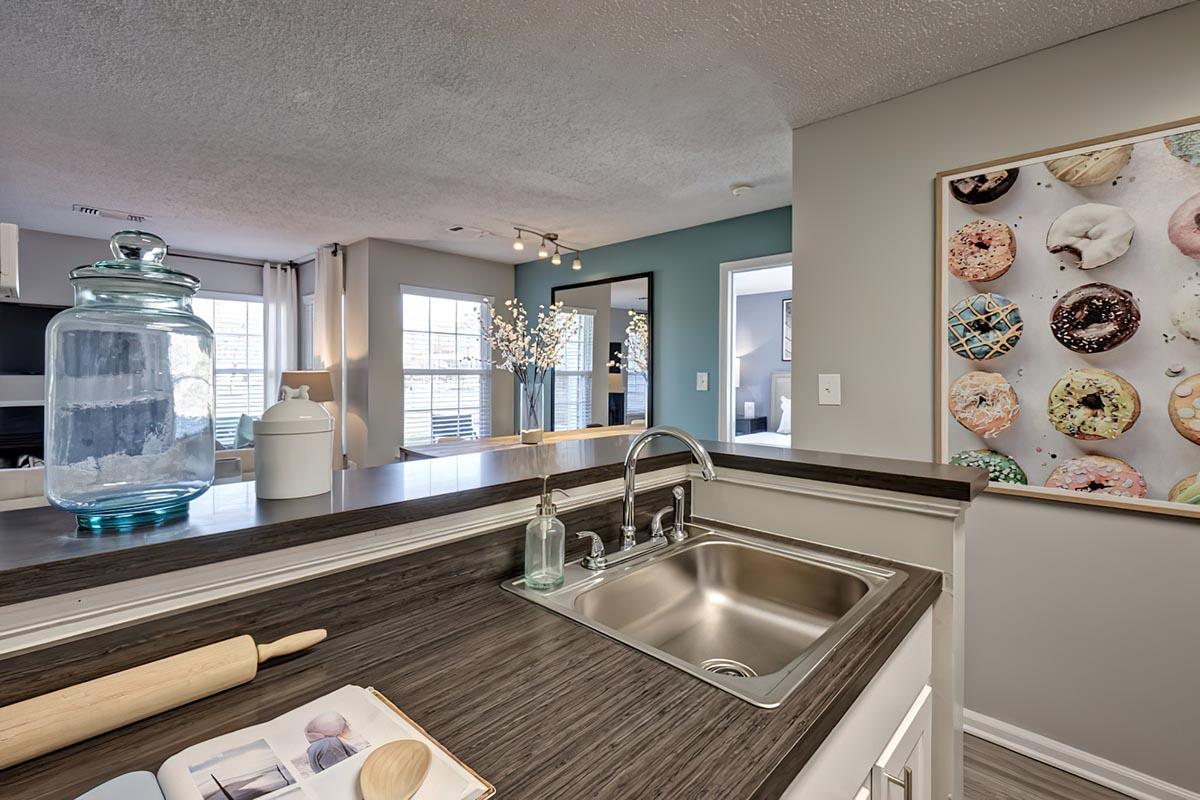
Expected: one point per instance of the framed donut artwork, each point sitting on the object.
(1068, 321)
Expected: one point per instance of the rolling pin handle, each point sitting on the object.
(290, 644)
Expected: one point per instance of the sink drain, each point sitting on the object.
(727, 666)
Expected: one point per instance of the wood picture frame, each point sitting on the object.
(1038, 343)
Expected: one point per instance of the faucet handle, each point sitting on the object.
(656, 522)
(595, 559)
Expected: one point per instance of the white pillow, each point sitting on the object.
(785, 421)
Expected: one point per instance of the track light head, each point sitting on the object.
(577, 263)
(517, 243)
(556, 259)
(542, 251)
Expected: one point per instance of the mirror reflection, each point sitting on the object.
(605, 374)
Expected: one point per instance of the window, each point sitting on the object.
(306, 331)
(635, 396)
(238, 362)
(447, 380)
(573, 376)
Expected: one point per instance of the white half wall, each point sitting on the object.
(1081, 623)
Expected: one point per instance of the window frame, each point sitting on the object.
(486, 384)
(262, 368)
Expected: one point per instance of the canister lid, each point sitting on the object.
(139, 255)
(294, 415)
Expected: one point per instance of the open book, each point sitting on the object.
(314, 752)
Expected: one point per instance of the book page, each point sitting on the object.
(314, 752)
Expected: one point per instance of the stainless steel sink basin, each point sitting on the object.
(749, 615)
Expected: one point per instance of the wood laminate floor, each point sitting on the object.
(994, 773)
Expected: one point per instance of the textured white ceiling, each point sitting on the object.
(266, 128)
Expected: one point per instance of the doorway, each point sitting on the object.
(755, 381)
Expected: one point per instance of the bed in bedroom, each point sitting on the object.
(781, 399)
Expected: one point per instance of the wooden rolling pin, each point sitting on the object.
(45, 723)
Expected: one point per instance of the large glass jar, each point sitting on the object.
(129, 391)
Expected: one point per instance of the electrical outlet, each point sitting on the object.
(829, 390)
(701, 381)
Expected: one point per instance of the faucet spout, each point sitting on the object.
(707, 471)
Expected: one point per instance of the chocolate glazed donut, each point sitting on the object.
(1094, 318)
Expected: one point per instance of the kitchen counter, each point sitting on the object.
(540, 706)
(42, 554)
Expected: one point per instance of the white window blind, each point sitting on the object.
(447, 382)
(238, 360)
(573, 376)
(635, 396)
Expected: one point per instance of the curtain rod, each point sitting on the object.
(239, 262)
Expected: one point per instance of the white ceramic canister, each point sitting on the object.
(292, 446)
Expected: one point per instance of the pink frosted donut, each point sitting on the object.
(984, 403)
(1098, 475)
(1183, 228)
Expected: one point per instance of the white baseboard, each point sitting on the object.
(1117, 777)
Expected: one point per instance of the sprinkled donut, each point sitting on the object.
(1185, 146)
(1184, 408)
(983, 188)
(984, 326)
(1098, 475)
(1093, 233)
(1000, 467)
(1186, 490)
(1183, 228)
(1091, 169)
(1184, 309)
(984, 403)
(1095, 318)
(1093, 404)
(981, 250)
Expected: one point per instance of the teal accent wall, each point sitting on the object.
(686, 322)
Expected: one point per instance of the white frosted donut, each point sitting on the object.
(984, 403)
(1184, 308)
(1094, 233)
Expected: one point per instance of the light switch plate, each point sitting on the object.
(829, 390)
(701, 381)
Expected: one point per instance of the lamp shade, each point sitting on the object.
(615, 385)
(320, 386)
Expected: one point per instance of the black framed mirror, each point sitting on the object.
(606, 375)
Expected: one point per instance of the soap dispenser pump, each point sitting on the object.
(545, 541)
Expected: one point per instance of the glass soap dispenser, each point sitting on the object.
(545, 540)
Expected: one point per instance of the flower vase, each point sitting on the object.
(531, 413)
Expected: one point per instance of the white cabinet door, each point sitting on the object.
(865, 792)
(903, 770)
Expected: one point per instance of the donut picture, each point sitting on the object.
(1183, 228)
(1094, 318)
(984, 326)
(984, 403)
(982, 250)
(1183, 407)
(1092, 403)
(1184, 310)
(1098, 475)
(1091, 169)
(1000, 468)
(1186, 490)
(983, 188)
(1185, 146)
(1095, 234)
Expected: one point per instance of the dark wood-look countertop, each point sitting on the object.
(43, 554)
(542, 707)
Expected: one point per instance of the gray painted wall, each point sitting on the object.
(1081, 623)
(46, 258)
(375, 271)
(758, 341)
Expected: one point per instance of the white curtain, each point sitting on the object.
(280, 326)
(328, 346)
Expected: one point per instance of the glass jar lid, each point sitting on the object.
(137, 255)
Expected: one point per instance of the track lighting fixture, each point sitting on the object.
(545, 240)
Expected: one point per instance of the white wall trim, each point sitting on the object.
(726, 394)
(895, 501)
(40, 623)
(1070, 759)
